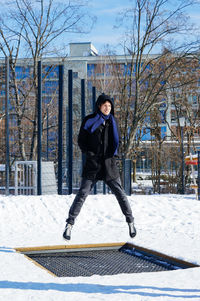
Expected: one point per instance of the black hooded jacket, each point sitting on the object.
(100, 163)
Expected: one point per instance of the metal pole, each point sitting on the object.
(70, 132)
(93, 98)
(82, 99)
(104, 188)
(94, 107)
(39, 112)
(182, 163)
(47, 148)
(60, 129)
(198, 175)
(7, 125)
(83, 109)
(123, 174)
(127, 170)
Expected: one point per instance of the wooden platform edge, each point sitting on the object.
(26, 250)
(67, 247)
(40, 266)
(164, 256)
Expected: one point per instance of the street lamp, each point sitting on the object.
(143, 160)
(182, 124)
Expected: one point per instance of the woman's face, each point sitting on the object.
(105, 108)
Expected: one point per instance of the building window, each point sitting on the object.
(91, 69)
(75, 74)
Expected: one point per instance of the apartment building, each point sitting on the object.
(84, 61)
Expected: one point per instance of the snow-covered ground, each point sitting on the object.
(166, 223)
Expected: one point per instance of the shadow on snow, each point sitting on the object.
(103, 289)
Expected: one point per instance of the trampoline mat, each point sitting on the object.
(101, 262)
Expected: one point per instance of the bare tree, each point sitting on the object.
(33, 28)
(151, 27)
(183, 99)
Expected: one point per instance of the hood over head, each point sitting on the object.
(102, 99)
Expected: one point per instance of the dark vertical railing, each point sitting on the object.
(83, 109)
(60, 129)
(93, 98)
(104, 188)
(198, 175)
(7, 125)
(39, 136)
(94, 108)
(127, 171)
(82, 99)
(47, 148)
(182, 162)
(70, 131)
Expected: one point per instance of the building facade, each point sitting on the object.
(98, 71)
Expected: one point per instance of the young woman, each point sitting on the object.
(99, 139)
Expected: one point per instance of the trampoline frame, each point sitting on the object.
(151, 256)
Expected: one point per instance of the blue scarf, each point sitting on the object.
(93, 123)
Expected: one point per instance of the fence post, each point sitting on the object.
(182, 162)
(198, 176)
(127, 170)
(47, 148)
(70, 131)
(82, 99)
(93, 98)
(39, 137)
(94, 104)
(60, 129)
(7, 126)
(83, 109)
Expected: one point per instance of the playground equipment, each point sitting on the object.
(192, 160)
(101, 259)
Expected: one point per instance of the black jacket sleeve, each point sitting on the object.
(82, 138)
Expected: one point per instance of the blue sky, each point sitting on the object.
(103, 31)
(106, 12)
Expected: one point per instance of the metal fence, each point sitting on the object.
(59, 146)
(26, 177)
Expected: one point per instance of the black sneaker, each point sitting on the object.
(67, 232)
(132, 230)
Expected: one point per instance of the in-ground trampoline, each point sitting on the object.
(101, 259)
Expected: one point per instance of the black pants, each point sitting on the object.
(85, 188)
